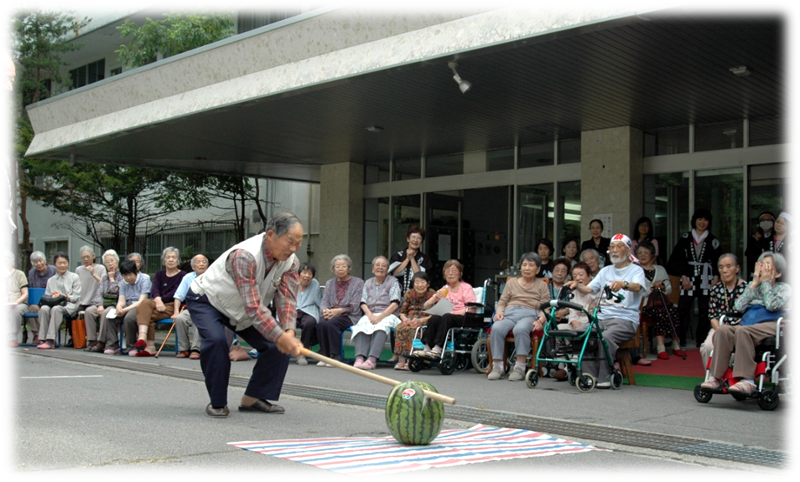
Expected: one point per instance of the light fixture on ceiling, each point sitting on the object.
(464, 85)
(374, 129)
(740, 71)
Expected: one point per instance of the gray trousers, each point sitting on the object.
(15, 313)
(109, 329)
(50, 319)
(615, 331)
(90, 319)
(33, 323)
(184, 328)
(519, 320)
(369, 345)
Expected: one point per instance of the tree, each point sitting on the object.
(240, 191)
(40, 39)
(178, 32)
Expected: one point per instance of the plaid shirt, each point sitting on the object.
(241, 266)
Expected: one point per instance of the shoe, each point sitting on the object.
(90, 346)
(36, 340)
(433, 354)
(560, 375)
(140, 344)
(110, 351)
(217, 412)
(69, 344)
(133, 352)
(195, 355)
(262, 406)
(516, 375)
(359, 363)
(14, 343)
(403, 367)
(183, 354)
(742, 388)
(711, 384)
(95, 349)
(394, 358)
(369, 364)
(321, 364)
(644, 362)
(678, 352)
(663, 355)
(143, 353)
(603, 385)
(496, 373)
(44, 346)
(302, 361)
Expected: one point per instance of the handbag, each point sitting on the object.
(78, 333)
(756, 314)
(656, 300)
(51, 301)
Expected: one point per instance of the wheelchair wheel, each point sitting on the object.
(462, 362)
(447, 366)
(701, 395)
(415, 364)
(616, 380)
(768, 400)
(480, 356)
(585, 383)
(531, 378)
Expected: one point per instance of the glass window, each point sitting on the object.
(766, 131)
(448, 165)
(376, 230)
(406, 212)
(721, 192)
(723, 135)
(569, 207)
(60, 246)
(407, 169)
(667, 195)
(670, 140)
(538, 154)
(535, 215)
(376, 171)
(500, 159)
(767, 191)
(569, 151)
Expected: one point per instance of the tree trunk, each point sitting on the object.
(25, 245)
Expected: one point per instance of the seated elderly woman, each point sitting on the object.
(37, 278)
(518, 311)
(457, 292)
(411, 317)
(592, 258)
(134, 289)
(340, 306)
(764, 301)
(576, 319)
(308, 303)
(17, 287)
(105, 296)
(380, 300)
(66, 283)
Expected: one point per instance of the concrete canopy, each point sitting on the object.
(285, 99)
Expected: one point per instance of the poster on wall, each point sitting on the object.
(607, 224)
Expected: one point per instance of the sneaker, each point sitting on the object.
(496, 373)
(663, 355)
(743, 388)
(516, 375)
(711, 384)
(321, 364)
(302, 361)
(603, 385)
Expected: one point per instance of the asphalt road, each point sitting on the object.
(78, 415)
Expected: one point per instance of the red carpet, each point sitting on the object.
(675, 366)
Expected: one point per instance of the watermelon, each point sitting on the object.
(413, 418)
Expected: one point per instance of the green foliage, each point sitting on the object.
(40, 39)
(177, 33)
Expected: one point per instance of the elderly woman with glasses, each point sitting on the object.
(105, 296)
(380, 300)
(341, 307)
(457, 292)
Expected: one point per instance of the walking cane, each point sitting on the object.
(674, 331)
(168, 333)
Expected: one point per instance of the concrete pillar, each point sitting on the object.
(341, 217)
(611, 178)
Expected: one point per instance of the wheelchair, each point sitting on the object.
(585, 343)
(465, 345)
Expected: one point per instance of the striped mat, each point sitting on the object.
(369, 456)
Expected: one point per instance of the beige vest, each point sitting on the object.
(221, 290)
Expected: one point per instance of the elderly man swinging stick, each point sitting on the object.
(234, 292)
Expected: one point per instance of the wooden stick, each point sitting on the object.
(372, 376)
(165, 339)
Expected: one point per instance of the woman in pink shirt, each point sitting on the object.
(457, 292)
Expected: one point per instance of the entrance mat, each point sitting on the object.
(370, 456)
(667, 381)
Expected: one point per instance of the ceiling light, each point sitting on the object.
(374, 129)
(464, 85)
(740, 71)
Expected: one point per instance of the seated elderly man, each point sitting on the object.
(66, 283)
(182, 319)
(619, 321)
(764, 301)
(37, 278)
(17, 286)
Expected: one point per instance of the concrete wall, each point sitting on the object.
(341, 219)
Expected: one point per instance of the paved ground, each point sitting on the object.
(74, 412)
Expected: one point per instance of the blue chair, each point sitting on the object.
(34, 297)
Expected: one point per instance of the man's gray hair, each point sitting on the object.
(281, 223)
(777, 259)
(112, 253)
(191, 262)
(170, 249)
(88, 249)
(343, 257)
(590, 250)
(36, 256)
(531, 256)
(131, 255)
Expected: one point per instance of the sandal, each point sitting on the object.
(401, 366)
